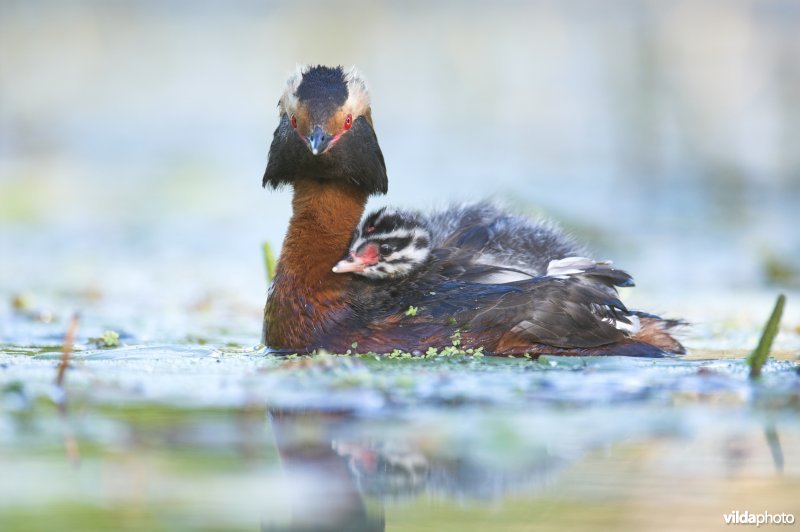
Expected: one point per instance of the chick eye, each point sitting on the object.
(294, 122)
(385, 249)
(348, 121)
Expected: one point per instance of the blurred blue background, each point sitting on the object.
(134, 134)
(133, 139)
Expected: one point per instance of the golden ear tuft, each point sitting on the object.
(357, 93)
(288, 102)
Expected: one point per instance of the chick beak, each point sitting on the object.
(349, 265)
(318, 140)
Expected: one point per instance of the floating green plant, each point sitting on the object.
(106, 340)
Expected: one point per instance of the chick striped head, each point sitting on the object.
(388, 244)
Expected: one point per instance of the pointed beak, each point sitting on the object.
(318, 140)
(349, 265)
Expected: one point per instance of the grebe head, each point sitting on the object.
(325, 131)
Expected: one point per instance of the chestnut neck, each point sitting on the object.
(324, 215)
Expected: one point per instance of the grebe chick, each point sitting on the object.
(392, 243)
(389, 243)
(493, 245)
(493, 235)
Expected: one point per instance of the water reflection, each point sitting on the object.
(348, 472)
(554, 464)
(332, 499)
(354, 478)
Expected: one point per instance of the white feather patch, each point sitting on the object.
(502, 277)
(562, 268)
(357, 94)
(288, 102)
(630, 328)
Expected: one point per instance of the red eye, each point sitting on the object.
(370, 229)
(294, 122)
(348, 121)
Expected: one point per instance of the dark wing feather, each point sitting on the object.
(557, 312)
(579, 310)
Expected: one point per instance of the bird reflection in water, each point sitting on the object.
(331, 497)
(340, 476)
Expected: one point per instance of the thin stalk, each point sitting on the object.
(760, 354)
